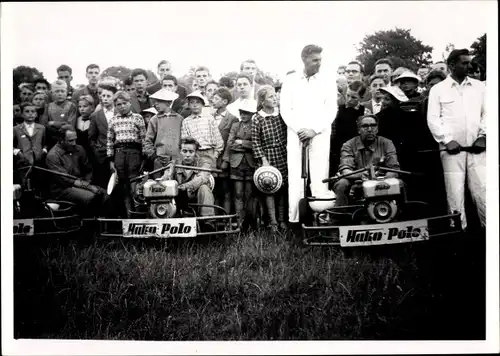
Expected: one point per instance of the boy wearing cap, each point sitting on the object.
(203, 129)
(59, 112)
(238, 155)
(163, 135)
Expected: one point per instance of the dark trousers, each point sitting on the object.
(128, 161)
(101, 174)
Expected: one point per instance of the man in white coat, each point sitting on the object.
(457, 118)
(308, 105)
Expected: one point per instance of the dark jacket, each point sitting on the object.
(97, 134)
(234, 153)
(31, 147)
(225, 125)
(75, 164)
(344, 128)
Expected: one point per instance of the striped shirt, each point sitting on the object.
(125, 129)
(204, 130)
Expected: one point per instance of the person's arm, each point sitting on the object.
(347, 160)
(286, 105)
(184, 129)
(436, 124)
(141, 126)
(258, 152)
(16, 144)
(44, 139)
(216, 138)
(199, 179)
(72, 115)
(86, 166)
(322, 124)
(390, 158)
(230, 141)
(92, 132)
(54, 163)
(44, 119)
(149, 142)
(110, 141)
(482, 122)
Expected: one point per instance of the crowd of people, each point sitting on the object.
(431, 122)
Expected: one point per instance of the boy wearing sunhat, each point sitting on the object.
(238, 155)
(147, 114)
(203, 129)
(163, 135)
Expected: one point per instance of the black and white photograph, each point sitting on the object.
(268, 177)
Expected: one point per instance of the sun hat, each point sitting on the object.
(268, 179)
(248, 106)
(164, 95)
(396, 92)
(150, 110)
(408, 75)
(197, 94)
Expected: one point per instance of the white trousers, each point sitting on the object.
(458, 169)
(319, 153)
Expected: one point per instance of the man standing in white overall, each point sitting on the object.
(457, 118)
(308, 105)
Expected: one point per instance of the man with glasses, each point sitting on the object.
(361, 151)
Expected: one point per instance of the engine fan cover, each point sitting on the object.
(163, 209)
(382, 211)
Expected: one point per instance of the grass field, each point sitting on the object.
(254, 287)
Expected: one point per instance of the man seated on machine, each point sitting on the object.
(361, 152)
(68, 158)
(193, 185)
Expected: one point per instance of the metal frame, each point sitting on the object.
(334, 230)
(193, 206)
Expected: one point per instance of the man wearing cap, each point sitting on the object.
(308, 107)
(163, 135)
(457, 118)
(203, 129)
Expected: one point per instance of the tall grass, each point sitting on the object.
(254, 287)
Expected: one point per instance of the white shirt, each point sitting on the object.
(83, 125)
(457, 112)
(109, 113)
(308, 102)
(30, 128)
(376, 107)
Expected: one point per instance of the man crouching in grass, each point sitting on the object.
(193, 185)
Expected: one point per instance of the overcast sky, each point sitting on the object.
(222, 34)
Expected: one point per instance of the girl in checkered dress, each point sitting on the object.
(269, 148)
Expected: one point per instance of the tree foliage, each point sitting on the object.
(122, 73)
(398, 45)
(478, 50)
(24, 74)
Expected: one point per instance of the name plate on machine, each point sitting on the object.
(161, 228)
(384, 234)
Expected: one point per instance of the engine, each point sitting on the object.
(158, 196)
(381, 198)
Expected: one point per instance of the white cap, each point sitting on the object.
(248, 106)
(199, 95)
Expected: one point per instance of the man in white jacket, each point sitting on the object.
(457, 118)
(308, 105)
